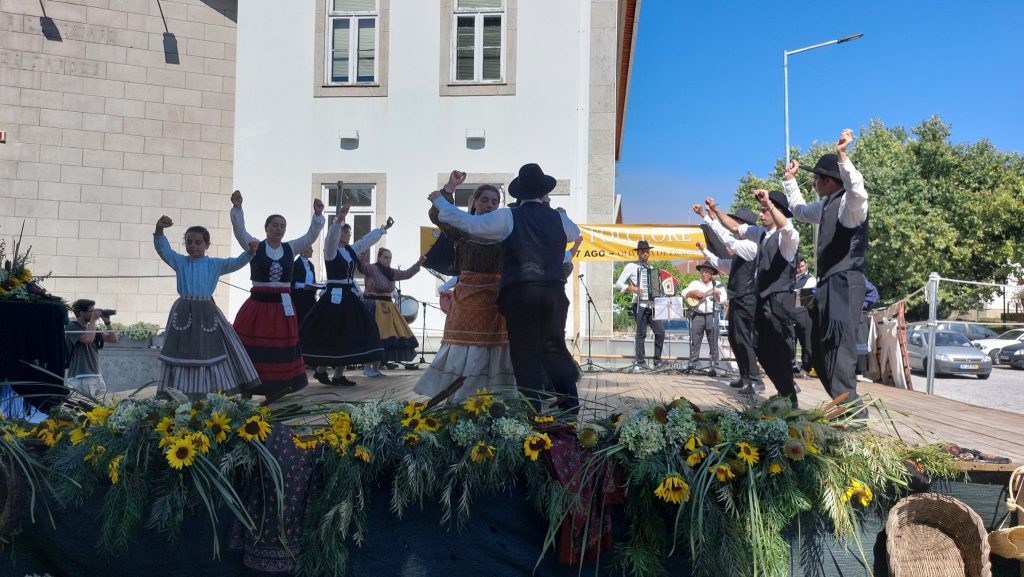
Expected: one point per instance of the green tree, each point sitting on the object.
(957, 209)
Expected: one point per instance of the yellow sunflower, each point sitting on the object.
(98, 415)
(859, 492)
(411, 408)
(348, 438)
(114, 469)
(181, 454)
(482, 452)
(748, 453)
(543, 419)
(794, 450)
(77, 435)
(414, 422)
(534, 444)
(94, 453)
(774, 468)
(673, 489)
(430, 424)
(255, 428)
(723, 472)
(219, 426)
(812, 449)
(692, 443)
(695, 458)
(479, 402)
(329, 437)
(589, 438)
(362, 453)
(200, 442)
(165, 426)
(305, 442)
(411, 439)
(341, 422)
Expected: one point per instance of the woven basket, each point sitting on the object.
(931, 535)
(1009, 542)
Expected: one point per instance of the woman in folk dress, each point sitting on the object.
(395, 335)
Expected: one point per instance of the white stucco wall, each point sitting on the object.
(284, 135)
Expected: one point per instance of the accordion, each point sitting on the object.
(649, 280)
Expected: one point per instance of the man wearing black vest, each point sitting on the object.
(741, 291)
(778, 242)
(303, 284)
(842, 219)
(803, 292)
(532, 295)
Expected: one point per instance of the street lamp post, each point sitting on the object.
(785, 73)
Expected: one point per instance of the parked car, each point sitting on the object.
(954, 354)
(1013, 355)
(973, 331)
(991, 347)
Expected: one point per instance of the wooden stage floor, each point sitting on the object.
(917, 417)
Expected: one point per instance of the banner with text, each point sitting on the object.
(617, 242)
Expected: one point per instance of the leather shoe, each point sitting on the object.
(343, 381)
(736, 383)
(322, 377)
(712, 373)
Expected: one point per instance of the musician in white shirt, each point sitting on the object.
(709, 296)
(644, 281)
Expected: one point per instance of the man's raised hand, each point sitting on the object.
(236, 199)
(791, 170)
(700, 245)
(710, 202)
(699, 210)
(164, 222)
(845, 138)
(761, 195)
(318, 206)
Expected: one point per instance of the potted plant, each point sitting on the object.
(136, 335)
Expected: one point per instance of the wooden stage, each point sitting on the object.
(917, 417)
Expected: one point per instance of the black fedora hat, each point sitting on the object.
(531, 183)
(744, 215)
(779, 199)
(709, 266)
(828, 165)
(643, 245)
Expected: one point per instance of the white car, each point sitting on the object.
(991, 347)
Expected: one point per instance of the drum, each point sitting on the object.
(409, 307)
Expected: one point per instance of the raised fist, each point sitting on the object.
(455, 179)
(253, 245)
(164, 222)
(390, 223)
(434, 195)
(761, 195)
(318, 206)
(710, 202)
(845, 138)
(699, 210)
(791, 170)
(236, 199)
(700, 245)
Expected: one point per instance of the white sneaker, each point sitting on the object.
(372, 372)
(863, 379)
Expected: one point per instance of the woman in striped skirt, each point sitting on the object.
(266, 322)
(201, 353)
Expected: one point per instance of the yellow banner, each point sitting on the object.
(617, 242)
(428, 236)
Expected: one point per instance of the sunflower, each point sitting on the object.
(98, 415)
(94, 453)
(165, 426)
(348, 438)
(362, 454)
(48, 433)
(411, 408)
(774, 468)
(411, 439)
(692, 443)
(710, 435)
(589, 438)
(482, 452)
(341, 422)
(695, 458)
(673, 489)
(748, 453)
(77, 435)
(219, 426)
(497, 410)
(794, 450)
(414, 422)
(200, 442)
(812, 449)
(430, 424)
(534, 444)
(329, 437)
(479, 402)
(543, 419)
(723, 472)
(114, 469)
(255, 428)
(859, 492)
(181, 454)
(305, 442)
(660, 415)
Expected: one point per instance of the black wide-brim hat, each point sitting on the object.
(643, 245)
(531, 183)
(779, 199)
(744, 215)
(828, 165)
(709, 266)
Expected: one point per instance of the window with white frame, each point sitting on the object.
(362, 208)
(351, 42)
(478, 41)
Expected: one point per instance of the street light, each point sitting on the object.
(785, 72)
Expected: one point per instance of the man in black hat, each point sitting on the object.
(704, 296)
(532, 296)
(741, 293)
(842, 219)
(804, 292)
(778, 241)
(641, 279)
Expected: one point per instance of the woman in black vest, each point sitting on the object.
(266, 322)
(339, 330)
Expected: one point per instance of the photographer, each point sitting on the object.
(85, 341)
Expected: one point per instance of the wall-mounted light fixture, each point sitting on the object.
(475, 138)
(349, 138)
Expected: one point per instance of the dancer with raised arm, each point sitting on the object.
(266, 322)
(378, 287)
(475, 342)
(202, 353)
(339, 330)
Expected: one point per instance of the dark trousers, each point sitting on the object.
(802, 326)
(774, 323)
(535, 317)
(835, 314)
(644, 319)
(701, 325)
(742, 336)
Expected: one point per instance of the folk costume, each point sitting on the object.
(339, 330)
(532, 295)
(704, 316)
(395, 335)
(803, 288)
(645, 277)
(266, 322)
(475, 343)
(201, 353)
(842, 220)
(303, 287)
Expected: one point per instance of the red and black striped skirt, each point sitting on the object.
(272, 341)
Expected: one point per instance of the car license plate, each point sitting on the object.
(967, 367)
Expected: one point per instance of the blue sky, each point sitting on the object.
(706, 99)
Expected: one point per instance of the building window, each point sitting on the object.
(352, 43)
(360, 199)
(478, 41)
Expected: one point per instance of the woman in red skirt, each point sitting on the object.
(266, 322)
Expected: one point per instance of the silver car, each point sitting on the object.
(954, 354)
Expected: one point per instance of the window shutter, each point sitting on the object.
(367, 34)
(465, 32)
(355, 5)
(492, 48)
(339, 50)
(479, 4)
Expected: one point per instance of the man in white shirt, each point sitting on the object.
(709, 296)
(640, 278)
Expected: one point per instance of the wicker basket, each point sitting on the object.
(1009, 542)
(931, 535)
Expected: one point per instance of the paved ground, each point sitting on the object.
(1003, 390)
